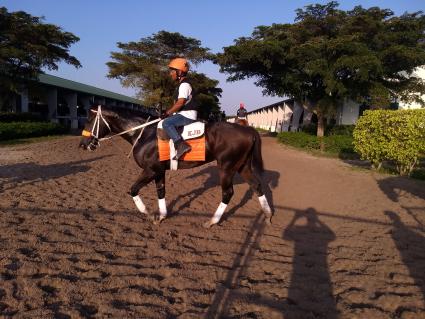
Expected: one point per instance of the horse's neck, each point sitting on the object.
(122, 124)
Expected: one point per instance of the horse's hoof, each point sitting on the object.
(268, 219)
(159, 220)
(209, 224)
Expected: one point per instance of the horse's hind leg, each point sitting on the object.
(255, 184)
(160, 189)
(145, 178)
(226, 178)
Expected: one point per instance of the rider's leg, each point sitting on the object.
(170, 125)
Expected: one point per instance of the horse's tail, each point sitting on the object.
(257, 159)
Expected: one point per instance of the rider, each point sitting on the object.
(242, 112)
(184, 110)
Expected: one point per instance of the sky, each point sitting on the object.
(100, 24)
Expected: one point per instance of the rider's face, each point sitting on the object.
(173, 74)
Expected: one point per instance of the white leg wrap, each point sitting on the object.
(139, 203)
(219, 212)
(264, 204)
(162, 207)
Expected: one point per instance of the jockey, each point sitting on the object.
(184, 111)
(242, 112)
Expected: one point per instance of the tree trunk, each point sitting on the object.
(320, 125)
(321, 131)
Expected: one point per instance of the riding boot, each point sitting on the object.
(181, 148)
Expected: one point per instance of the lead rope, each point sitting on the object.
(141, 132)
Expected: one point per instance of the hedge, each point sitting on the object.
(397, 136)
(15, 130)
(335, 144)
(330, 129)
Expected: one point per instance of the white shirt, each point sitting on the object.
(185, 92)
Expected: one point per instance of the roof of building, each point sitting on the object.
(272, 105)
(84, 88)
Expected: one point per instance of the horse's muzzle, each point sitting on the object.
(90, 143)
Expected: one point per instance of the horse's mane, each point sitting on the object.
(128, 113)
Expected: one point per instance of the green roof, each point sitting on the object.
(84, 88)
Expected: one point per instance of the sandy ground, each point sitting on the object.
(344, 243)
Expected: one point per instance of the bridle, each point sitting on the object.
(96, 126)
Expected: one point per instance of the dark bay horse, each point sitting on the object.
(242, 122)
(236, 148)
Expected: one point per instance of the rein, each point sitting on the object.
(96, 125)
(100, 117)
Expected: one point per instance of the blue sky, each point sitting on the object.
(101, 24)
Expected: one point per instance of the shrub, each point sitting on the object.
(299, 139)
(15, 130)
(346, 130)
(339, 144)
(398, 136)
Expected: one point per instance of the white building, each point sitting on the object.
(290, 115)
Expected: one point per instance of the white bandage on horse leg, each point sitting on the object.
(218, 213)
(265, 204)
(139, 203)
(162, 208)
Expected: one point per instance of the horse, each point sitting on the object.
(241, 121)
(236, 148)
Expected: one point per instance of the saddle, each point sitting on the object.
(193, 134)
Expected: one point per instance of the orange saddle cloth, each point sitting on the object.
(197, 152)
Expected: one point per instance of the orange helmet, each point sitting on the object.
(179, 64)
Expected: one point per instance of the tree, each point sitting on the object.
(143, 65)
(27, 45)
(328, 55)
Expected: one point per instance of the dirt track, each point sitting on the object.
(343, 244)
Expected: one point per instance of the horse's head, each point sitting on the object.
(96, 128)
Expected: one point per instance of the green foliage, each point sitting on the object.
(328, 55)
(346, 130)
(334, 144)
(300, 140)
(27, 46)
(8, 117)
(339, 144)
(143, 65)
(397, 136)
(16, 130)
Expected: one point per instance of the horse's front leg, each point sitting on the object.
(145, 178)
(226, 179)
(160, 189)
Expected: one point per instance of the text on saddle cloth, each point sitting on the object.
(193, 134)
(192, 130)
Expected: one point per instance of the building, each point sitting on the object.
(290, 115)
(67, 102)
(286, 115)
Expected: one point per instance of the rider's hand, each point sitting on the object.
(164, 115)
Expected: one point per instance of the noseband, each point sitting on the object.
(95, 129)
